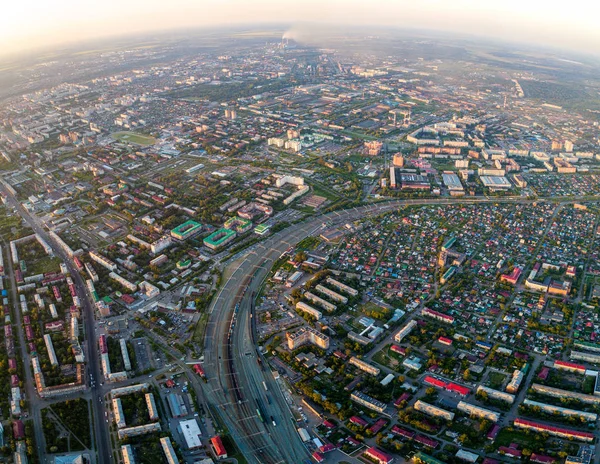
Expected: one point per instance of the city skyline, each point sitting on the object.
(31, 24)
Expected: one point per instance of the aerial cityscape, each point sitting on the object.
(272, 245)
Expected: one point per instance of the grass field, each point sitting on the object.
(44, 265)
(132, 137)
(496, 379)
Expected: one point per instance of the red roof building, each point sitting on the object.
(353, 441)
(493, 433)
(318, 456)
(409, 434)
(359, 421)
(541, 459)
(127, 299)
(54, 326)
(445, 341)
(378, 456)
(429, 380)
(102, 344)
(513, 277)
(569, 366)
(403, 397)
(219, 449)
(553, 430)
(456, 388)
(18, 430)
(398, 349)
(509, 451)
(377, 426)
(198, 370)
(328, 424)
(425, 440)
(326, 448)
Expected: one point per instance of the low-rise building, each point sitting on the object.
(301, 306)
(478, 411)
(432, 410)
(405, 331)
(364, 366)
(561, 432)
(367, 401)
(167, 447)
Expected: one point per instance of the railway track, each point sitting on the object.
(242, 406)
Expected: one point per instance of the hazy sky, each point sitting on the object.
(569, 24)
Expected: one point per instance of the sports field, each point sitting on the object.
(132, 137)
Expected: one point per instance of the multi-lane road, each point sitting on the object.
(103, 446)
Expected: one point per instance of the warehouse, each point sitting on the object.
(495, 182)
(191, 433)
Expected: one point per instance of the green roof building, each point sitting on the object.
(184, 264)
(240, 225)
(219, 238)
(262, 229)
(186, 230)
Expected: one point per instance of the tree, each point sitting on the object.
(300, 257)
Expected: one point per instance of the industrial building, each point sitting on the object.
(176, 405)
(495, 182)
(218, 448)
(452, 183)
(191, 433)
